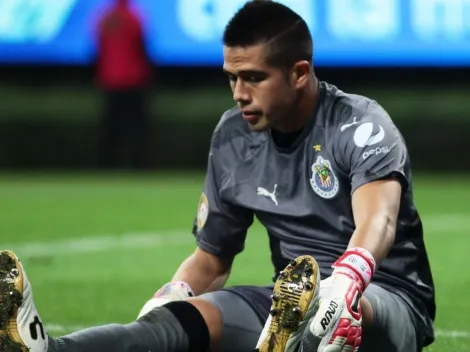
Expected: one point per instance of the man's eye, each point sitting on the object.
(253, 79)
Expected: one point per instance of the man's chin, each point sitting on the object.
(259, 126)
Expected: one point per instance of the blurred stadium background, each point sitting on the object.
(98, 243)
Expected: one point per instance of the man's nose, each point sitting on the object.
(240, 93)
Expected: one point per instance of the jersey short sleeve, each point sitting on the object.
(220, 227)
(371, 148)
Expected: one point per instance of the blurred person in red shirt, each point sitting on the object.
(123, 74)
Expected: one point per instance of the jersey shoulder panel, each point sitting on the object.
(230, 127)
(341, 107)
(232, 139)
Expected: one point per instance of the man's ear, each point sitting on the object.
(300, 74)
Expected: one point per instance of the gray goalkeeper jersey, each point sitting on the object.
(302, 194)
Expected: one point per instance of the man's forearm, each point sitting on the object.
(376, 236)
(375, 208)
(203, 272)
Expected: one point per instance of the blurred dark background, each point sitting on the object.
(52, 99)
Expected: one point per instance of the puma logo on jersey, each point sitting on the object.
(330, 312)
(347, 125)
(264, 192)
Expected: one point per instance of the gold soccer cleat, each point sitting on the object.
(21, 329)
(295, 299)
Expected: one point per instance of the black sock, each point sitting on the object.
(158, 331)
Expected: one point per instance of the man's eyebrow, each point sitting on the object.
(245, 72)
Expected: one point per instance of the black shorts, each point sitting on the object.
(244, 310)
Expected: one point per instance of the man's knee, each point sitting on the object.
(391, 327)
(240, 326)
(367, 312)
(212, 318)
(196, 318)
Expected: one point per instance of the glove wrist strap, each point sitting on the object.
(179, 286)
(358, 264)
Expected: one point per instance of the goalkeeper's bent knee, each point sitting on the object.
(192, 322)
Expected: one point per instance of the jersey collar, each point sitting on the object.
(315, 119)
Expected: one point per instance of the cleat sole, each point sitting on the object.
(8, 345)
(11, 287)
(294, 290)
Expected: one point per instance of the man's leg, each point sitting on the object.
(386, 321)
(243, 311)
(177, 326)
(138, 123)
(110, 130)
(391, 327)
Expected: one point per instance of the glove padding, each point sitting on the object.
(336, 326)
(172, 291)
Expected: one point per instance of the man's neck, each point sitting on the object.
(298, 118)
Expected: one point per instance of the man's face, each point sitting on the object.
(264, 94)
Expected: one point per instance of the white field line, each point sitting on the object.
(446, 223)
(62, 329)
(102, 243)
(453, 334)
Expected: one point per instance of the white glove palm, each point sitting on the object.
(336, 326)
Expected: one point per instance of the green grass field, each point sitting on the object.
(97, 247)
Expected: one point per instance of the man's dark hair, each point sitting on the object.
(268, 22)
